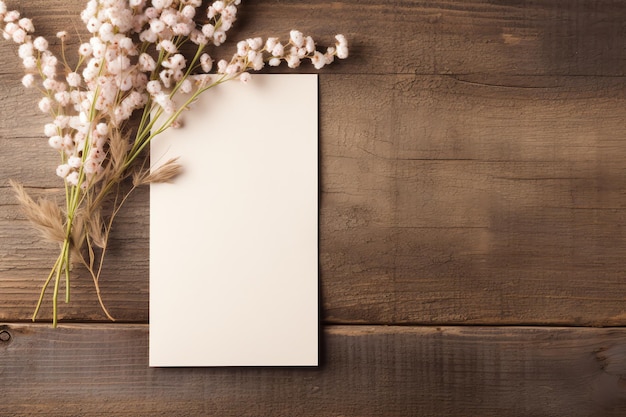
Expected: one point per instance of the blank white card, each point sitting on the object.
(234, 239)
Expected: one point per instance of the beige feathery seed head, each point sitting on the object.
(44, 214)
(96, 230)
(165, 173)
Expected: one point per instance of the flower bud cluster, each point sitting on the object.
(252, 54)
(133, 61)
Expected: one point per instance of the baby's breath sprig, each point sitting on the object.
(133, 63)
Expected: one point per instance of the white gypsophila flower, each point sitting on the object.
(61, 121)
(318, 60)
(182, 29)
(218, 6)
(28, 80)
(9, 30)
(29, 62)
(26, 24)
(221, 66)
(342, 47)
(62, 97)
(63, 170)
(49, 63)
(208, 30)
(121, 18)
(329, 56)
(74, 161)
(125, 83)
(106, 32)
(169, 17)
(50, 129)
(146, 63)
(297, 38)
(168, 46)
(91, 166)
(293, 61)
(73, 79)
(165, 102)
(102, 129)
(85, 49)
(93, 25)
(175, 62)
(278, 50)
(256, 61)
(63, 35)
(341, 40)
(55, 142)
(49, 84)
(255, 43)
(229, 13)
(206, 62)
(153, 87)
(270, 43)
(219, 37)
(244, 77)
(151, 13)
(161, 4)
(118, 64)
(166, 77)
(19, 36)
(309, 44)
(148, 36)
(188, 11)
(72, 178)
(26, 50)
(157, 26)
(198, 37)
(211, 12)
(91, 8)
(45, 104)
(226, 24)
(140, 80)
(342, 52)
(242, 48)
(274, 62)
(186, 86)
(11, 16)
(40, 43)
(75, 123)
(126, 44)
(68, 145)
(3, 8)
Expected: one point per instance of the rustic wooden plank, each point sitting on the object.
(367, 371)
(450, 200)
(444, 200)
(546, 37)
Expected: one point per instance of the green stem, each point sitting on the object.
(45, 286)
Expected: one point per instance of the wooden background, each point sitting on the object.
(472, 227)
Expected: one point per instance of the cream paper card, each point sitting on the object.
(234, 240)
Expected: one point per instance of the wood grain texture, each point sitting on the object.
(472, 173)
(444, 200)
(99, 370)
(544, 37)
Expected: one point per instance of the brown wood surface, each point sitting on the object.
(372, 371)
(472, 174)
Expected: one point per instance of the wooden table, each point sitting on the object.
(472, 227)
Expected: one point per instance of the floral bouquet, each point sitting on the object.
(103, 107)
